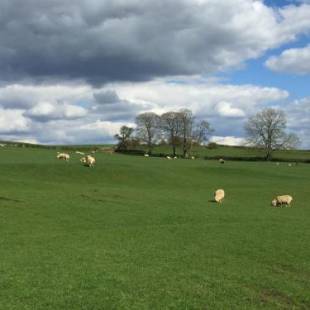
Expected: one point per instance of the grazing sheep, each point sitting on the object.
(290, 165)
(146, 155)
(63, 156)
(2, 145)
(193, 157)
(88, 161)
(282, 200)
(219, 195)
(107, 150)
(168, 157)
(221, 161)
(80, 153)
(175, 157)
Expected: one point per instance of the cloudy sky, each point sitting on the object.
(75, 71)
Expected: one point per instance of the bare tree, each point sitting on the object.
(124, 137)
(170, 124)
(186, 125)
(147, 128)
(266, 129)
(202, 132)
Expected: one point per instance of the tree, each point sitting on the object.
(202, 132)
(266, 129)
(170, 124)
(147, 128)
(124, 137)
(186, 126)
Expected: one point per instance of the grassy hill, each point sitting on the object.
(203, 152)
(143, 233)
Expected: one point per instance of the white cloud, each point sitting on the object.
(47, 111)
(226, 109)
(204, 98)
(228, 140)
(298, 115)
(13, 121)
(294, 60)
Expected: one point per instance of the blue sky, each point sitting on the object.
(73, 72)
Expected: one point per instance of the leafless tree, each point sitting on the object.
(170, 125)
(124, 137)
(186, 125)
(147, 128)
(202, 132)
(267, 128)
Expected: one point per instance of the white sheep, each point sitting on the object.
(282, 200)
(88, 161)
(146, 155)
(219, 195)
(221, 161)
(193, 157)
(80, 153)
(63, 156)
(168, 157)
(175, 157)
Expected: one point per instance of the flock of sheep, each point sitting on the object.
(279, 201)
(219, 194)
(87, 160)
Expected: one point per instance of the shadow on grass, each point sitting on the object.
(9, 199)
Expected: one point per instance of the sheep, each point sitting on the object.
(88, 161)
(278, 164)
(221, 161)
(175, 157)
(63, 156)
(2, 145)
(219, 195)
(282, 200)
(290, 165)
(193, 157)
(146, 155)
(80, 153)
(168, 157)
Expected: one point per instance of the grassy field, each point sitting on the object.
(238, 153)
(142, 233)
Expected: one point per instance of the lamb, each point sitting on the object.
(63, 156)
(219, 195)
(282, 200)
(221, 161)
(88, 161)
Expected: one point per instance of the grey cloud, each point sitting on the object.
(106, 97)
(100, 41)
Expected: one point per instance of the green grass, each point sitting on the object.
(237, 152)
(142, 233)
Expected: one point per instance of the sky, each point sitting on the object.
(74, 72)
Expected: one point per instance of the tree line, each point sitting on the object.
(177, 128)
(266, 130)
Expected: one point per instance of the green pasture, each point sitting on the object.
(143, 233)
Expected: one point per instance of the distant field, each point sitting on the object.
(142, 233)
(238, 152)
